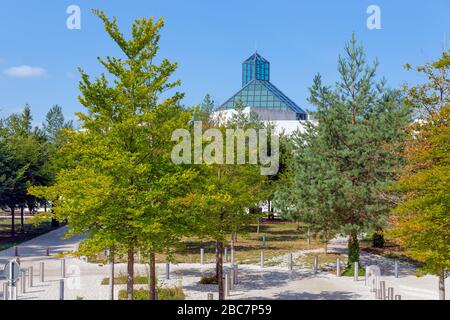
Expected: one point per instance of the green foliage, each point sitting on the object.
(341, 164)
(163, 294)
(119, 186)
(421, 220)
(23, 162)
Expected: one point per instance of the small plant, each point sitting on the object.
(163, 294)
(208, 279)
(79, 298)
(122, 279)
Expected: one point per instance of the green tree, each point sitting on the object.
(121, 186)
(421, 220)
(27, 158)
(224, 192)
(342, 163)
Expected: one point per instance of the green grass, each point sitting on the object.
(349, 272)
(282, 238)
(28, 232)
(163, 294)
(122, 279)
(327, 262)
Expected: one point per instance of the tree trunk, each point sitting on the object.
(21, 218)
(130, 273)
(13, 223)
(325, 244)
(152, 278)
(353, 248)
(442, 285)
(219, 268)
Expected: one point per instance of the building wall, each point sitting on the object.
(286, 126)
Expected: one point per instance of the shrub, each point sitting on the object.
(208, 280)
(163, 294)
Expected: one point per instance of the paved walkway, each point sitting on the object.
(83, 279)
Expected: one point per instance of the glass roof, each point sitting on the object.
(257, 91)
(255, 67)
(264, 95)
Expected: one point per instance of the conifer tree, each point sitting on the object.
(342, 163)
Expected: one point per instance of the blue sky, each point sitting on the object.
(209, 39)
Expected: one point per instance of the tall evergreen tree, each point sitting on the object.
(343, 162)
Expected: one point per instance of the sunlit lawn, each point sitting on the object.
(282, 238)
(29, 231)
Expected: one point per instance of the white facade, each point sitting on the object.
(286, 126)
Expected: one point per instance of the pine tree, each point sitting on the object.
(342, 163)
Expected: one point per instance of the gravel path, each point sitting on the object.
(83, 279)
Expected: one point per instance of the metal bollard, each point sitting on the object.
(382, 290)
(231, 280)
(390, 293)
(356, 271)
(5, 290)
(23, 281)
(47, 251)
(235, 277)
(396, 268)
(111, 280)
(167, 270)
(226, 285)
(264, 240)
(232, 256)
(63, 268)
(202, 256)
(261, 259)
(30, 277)
(210, 296)
(225, 254)
(13, 291)
(16, 251)
(290, 261)
(41, 272)
(338, 267)
(398, 297)
(156, 295)
(315, 264)
(61, 289)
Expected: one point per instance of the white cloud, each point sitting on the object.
(24, 72)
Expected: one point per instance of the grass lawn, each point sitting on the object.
(282, 238)
(29, 231)
(327, 262)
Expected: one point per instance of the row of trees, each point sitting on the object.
(116, 181)
(25, 158)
